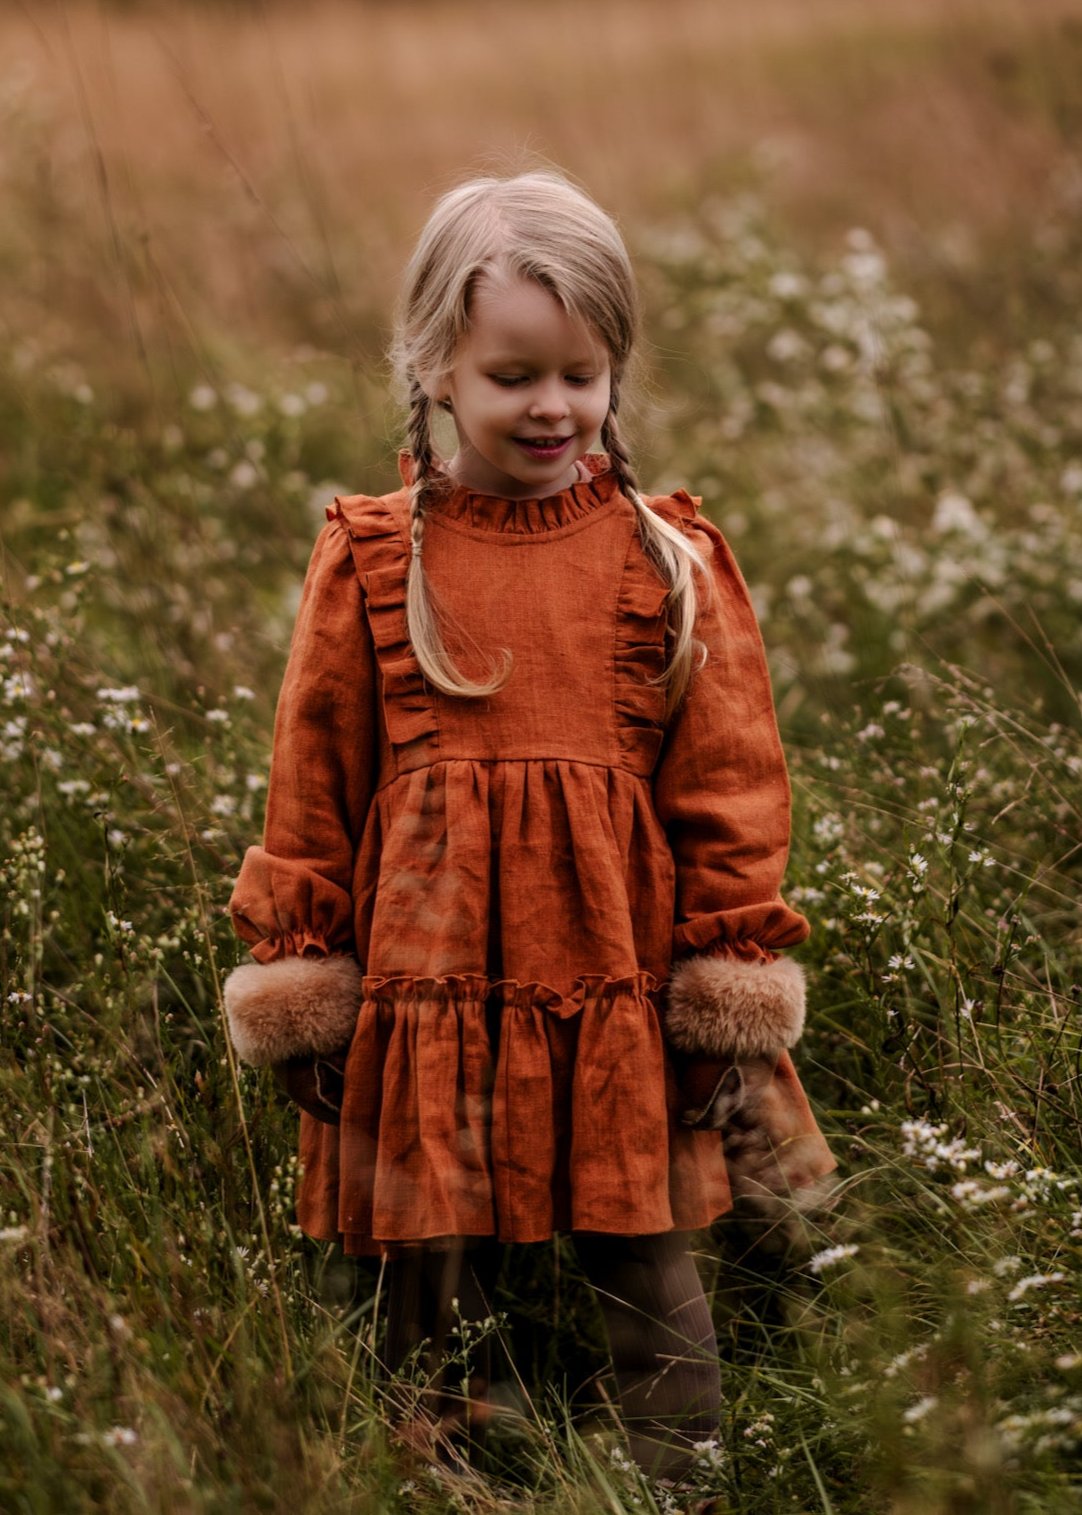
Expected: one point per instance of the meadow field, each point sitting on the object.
(858, 227)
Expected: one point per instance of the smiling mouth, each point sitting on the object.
(543, 446)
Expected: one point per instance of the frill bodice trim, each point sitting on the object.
(380, 548)
(475, 511)
(381, 558)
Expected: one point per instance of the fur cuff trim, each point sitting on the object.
(293, 1007)
(725, 1007)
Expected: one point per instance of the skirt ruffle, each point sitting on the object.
(478, 1107)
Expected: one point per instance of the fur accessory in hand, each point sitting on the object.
(293, 1007)
(725, 1007)
(316, 1084)
(780, 1167)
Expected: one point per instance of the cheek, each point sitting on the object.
(600, 402)
(599, 409)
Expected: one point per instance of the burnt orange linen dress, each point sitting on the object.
(516, 874)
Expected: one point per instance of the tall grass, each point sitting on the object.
(898, 465)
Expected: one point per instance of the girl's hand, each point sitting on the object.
(314, 1083)
(711, 1091)
(778, 1162)
(718, 1092)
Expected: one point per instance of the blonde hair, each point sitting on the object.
(537, 226)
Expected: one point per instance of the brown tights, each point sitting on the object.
(661, 1336)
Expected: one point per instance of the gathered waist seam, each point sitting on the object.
(502, 762)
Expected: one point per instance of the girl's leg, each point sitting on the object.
(662, 1341)
(430, 1291)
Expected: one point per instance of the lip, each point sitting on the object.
(524, 444)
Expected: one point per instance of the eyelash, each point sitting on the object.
(580, 381)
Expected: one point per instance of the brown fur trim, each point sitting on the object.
(781, 1171)
(725, 1007)
(293, 1007)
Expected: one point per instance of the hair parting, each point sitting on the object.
(538, 226)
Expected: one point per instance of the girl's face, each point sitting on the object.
(529, 391)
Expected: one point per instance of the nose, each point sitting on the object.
(549, 401)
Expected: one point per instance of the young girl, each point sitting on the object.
(516, 917)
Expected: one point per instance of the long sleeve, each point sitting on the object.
(722, 792)
(292, 902)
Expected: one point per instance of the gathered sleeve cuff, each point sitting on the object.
(283, 907)
(721, 790)
(292, 902)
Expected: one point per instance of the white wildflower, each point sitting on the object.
(920, 1409)
(925, 1142)
(120, 1436)
(972, 1194)
(1034, 1281)
(243, 474)
(954, 512)
(1002, 1170)
(786, 346)
(785, 285)
(18, 686)
(830, 1256)
(834, 358)
(243, 400)
(903, 1359)
(709, 1455)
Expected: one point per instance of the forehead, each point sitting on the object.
(513, 316)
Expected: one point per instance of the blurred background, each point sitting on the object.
(858, 230)
(184, 183)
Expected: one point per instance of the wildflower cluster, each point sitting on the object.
(829, 382)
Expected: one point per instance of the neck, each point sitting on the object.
(452, 468)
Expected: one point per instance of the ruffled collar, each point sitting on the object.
(486, 512)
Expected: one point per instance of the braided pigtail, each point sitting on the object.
(421, 618)
(675, 559)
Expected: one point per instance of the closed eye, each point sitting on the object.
(508, 381)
